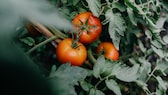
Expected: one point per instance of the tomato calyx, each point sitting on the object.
(84, 26)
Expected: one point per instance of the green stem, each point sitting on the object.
(41, 44)
(58, 33)
(90, 56)
(151, 74)
(97, 84)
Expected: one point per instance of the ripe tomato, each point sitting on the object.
(89, 25)
(66, 53)
(109, 51)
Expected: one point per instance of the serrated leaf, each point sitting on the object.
(28, 40)
(116, 26)
(162, 83)
(72, 74)
(141, 46)
(94, 6)
(131, 16)
(98, 67)
(113, 86)
(125, 73)
(65, 77)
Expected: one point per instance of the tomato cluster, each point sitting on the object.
(88, 28)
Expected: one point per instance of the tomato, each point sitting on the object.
(89, 25)
(109, 50)
(66, 53)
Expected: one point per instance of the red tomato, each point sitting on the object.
(89, 25)
(66, 53)
(109, 51)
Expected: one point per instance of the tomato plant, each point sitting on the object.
(133, 35)
(67, 51)
(88, 26)
(108, 50)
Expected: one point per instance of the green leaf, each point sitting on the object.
(165, 4)
(95, 92)
(74, 2)
(145, 69)
(165, 39)
(98, 67)
(85, 85)
(131, 4)
(92, 91)
(160, 91)
(116, 26)
(113, 86)
(125, 73)
(158, 51)
(119, 6)
(65, 77)
(131, 16)
(162, 66)
(162, 83)
(98, 92)
(141, 46)
(94, 6)
(28, 40)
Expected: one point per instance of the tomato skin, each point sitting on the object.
(110, 52)
(66, 53)
(93, 34)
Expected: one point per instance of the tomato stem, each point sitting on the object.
(90, 56)
(41, 44)
(57, 32)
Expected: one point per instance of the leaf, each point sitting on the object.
(85, 86)
(95, 92)
(158, 51)
(28, 40)
(113, 86)
(145, 69)
(160, 22)
(98, 67)
(162, 66)
(65, 77)
(119, 6)
(92, 91)
(162, 83)
(116, 26)
(160, 91)
(94, 6)
(131, 16)
(141, 46)
(165, 39)
(71, 73)
(98, 92)
(125, 73)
